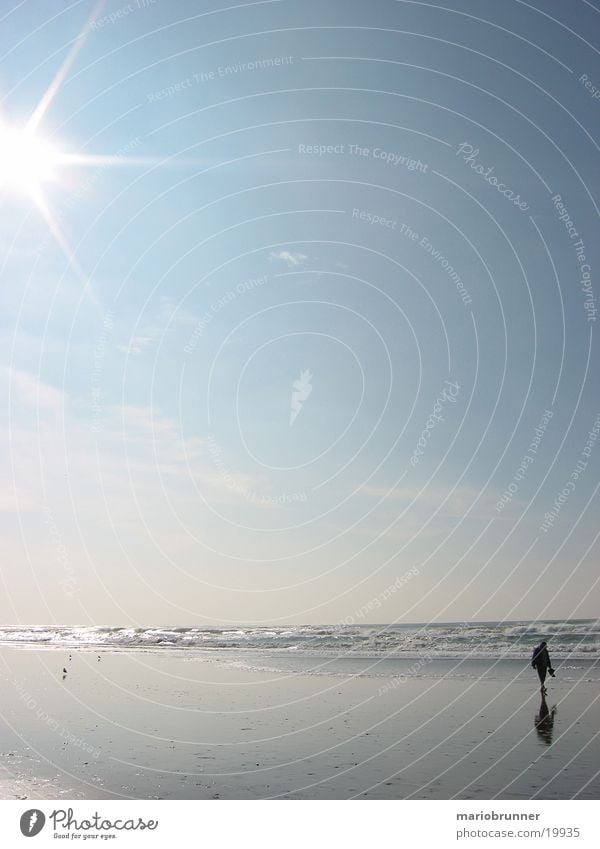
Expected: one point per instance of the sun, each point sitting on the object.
(27, 162)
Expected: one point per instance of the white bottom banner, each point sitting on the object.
(224, 823)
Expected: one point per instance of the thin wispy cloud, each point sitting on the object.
(290, 258)
(14, 500)
(454, 502)
(25, 388)
(136, 345)
(168, 317)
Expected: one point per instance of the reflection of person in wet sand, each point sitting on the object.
(544, 721)
(541, 662)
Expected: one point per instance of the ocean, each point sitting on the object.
(567, 639)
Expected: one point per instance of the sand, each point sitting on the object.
(166, 724)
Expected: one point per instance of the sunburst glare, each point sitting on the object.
(27, 161)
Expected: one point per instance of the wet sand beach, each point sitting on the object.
(254, 725)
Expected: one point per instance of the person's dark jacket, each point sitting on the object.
(541, 658)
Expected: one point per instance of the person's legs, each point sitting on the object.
(542, 673)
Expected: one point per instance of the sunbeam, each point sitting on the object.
(61, 240)
(54, 87)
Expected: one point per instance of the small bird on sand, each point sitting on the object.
(64, 671)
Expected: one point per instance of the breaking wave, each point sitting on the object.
(575, 639)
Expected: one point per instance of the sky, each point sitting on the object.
(303, 321)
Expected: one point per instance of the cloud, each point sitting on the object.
(170, 312)
(138, 465)
(451, 502)
(149, 447)
(25, 388)
(167, 318)
(292, 260)
(14, 501)
(136, 345)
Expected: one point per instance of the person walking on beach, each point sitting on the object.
(541, 661)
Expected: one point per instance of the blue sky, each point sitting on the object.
(258, 242)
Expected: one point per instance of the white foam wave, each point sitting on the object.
(571, 639)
